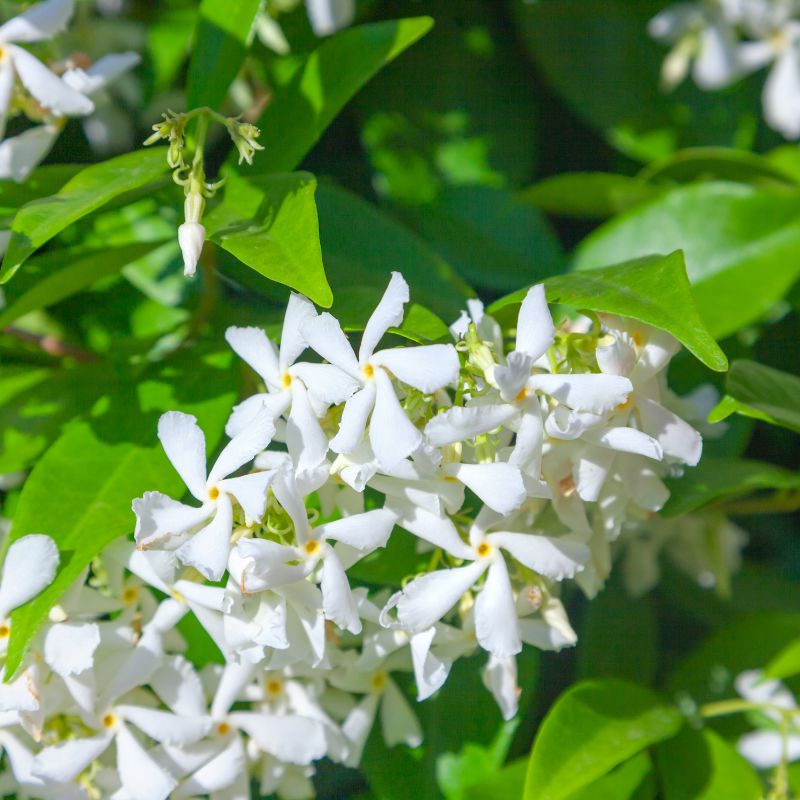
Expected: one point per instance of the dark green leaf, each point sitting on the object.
(40, 183)
(648, 289)
(701, 765)
(739, 241)
(221, 40)
(718, 478)
(41, 220)
(323, 83)
(761, 392)
(270, 223)
(593, 727)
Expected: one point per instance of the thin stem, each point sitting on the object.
(50, 344)
(784, 502)
(724, 707)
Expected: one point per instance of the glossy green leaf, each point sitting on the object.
(56, 276)
(41, 220)
(491, 239)
(760, 392)
(116, 457)
(40, 183)
(221, 40)
(323, 83)
(507, 782)
(591, 728)
(621, 783)
(719, 478)
(594, 195)
(270, 224)
(739, 241)
(701, 765)
(786, 664)
(361, 245)
(648, 289)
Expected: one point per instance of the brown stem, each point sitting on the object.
(50, 344)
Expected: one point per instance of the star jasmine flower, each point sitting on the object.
(161, 520)
(428, 368)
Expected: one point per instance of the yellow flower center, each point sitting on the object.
(109, 720)
(627, 404)
(378, 681)
(213, 493)
(567, 486)
(130, 595)
(5, 631)
(273, 687)
(369, 372)
(286, 380)
(484, 550)
(523, 393)
(311, 547)
(223, 729)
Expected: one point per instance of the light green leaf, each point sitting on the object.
(56, 276)
(41, 220)
(220, 46)
(761, 392)
(588, 194)
(80, 491)
(40, 183)
(507, 782)
(591, 728)
(621, 783)
(719, 478)
(701, 765)
(647, 289)
(785, 664)
(323, 83)
(270, 223)
(739, 241)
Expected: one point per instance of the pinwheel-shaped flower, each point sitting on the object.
(164, 522)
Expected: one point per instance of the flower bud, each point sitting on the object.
(191, 236)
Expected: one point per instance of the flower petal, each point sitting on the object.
(140, 775)
(392, 435)
(427, 368)
(325, 336)
(438, 530)
(61, 763)
(597, 394)
(678, 439)
(244, 447)
(218, 773)
(250, 492)
(535, 327)
(354, 420)
(100, 74)
(185, 446)
(20, 155)
(299, 310)
(387, 314)
(42, 21)
(326, 383)
(365, 532)
(461, 424)
(399, 724)
(554, 557)
(357, 727)
(159, 516)
(430, 672)
(29, 566)
(254, 348)
(207, 551)
(329, 16)
(305, 439)
(625, 440)
(495, 614)
(164, 726)
(512, 376)
(337, 598)
(498, 485)
(69, 648)
(290, 738)
(500, 678)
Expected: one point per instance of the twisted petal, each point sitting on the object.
(244, 447)
(325, 336)
(427, 368)
(254, 348)
(387, 314)
(392, 435)
(30, 566)
(495, 614)
(140, 775)
(462, 424)
(207, 551)
(554, 557)
(185, 446)
(535, 327)
(42, 21)
(354, 420)
(337, 597)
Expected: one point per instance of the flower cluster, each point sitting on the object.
(505, 473)
(45, 95)
(725, 40)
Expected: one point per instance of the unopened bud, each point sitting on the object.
(191, 236)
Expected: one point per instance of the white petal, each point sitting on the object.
(500, 678)
(498, 485)
(46, 87)
(399, 724)
(763, 749)
(365, 532)
(625, 440)
(591, 472)
(677, 438)
(326, 337)
(164, 726)
(357, 727)
(392, 435)
(42, 21)
(295, 739)
(299, 310)
(305, 439)
(387, 314)
(717, 64)
(30, 566)
(253, 347)
(207, 551)
(100, 74)
(69, 649)
(588, 392)
(354, 420)
(191, 238)
(430, 672)
(338, 601)
(250, 492)
(495, 613)
(425, 600)
(554, 557)
(461, 424)
(159, 516)
(20, 155)
(7, 78)
(329, 16)
(185, 446)
(527, 452)
(62, 763)
(244, 447)
(218, 773)
(139, 774)
(512, 376)
(782, 94)
(617, 358)
(434, 528)
(427, 368)
(21, 694)
(535, 327)
(265, 559)
(325, 382)
(245, 412)
(538, 633)
(752, 686)
(179, 687)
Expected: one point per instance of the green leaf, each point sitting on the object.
(361, 245)
(760, 392)
(588, 194)
(701, 765)
(490, 238)
(270, 224)
(719, 478)
(507, 782)
(56, 276)
(739, 241)
(221, 40)
(591, 728)
(323, 83)
(40, 183)
(785, 664)
(647, 289)
(80, 491)
(621, 783)
(41, 220)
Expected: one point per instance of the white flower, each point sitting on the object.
(191, 237)
(428, 368)
(161, 520)
(39, 22)
(329, 16)
(29, 567)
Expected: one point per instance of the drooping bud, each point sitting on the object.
(191, 236)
